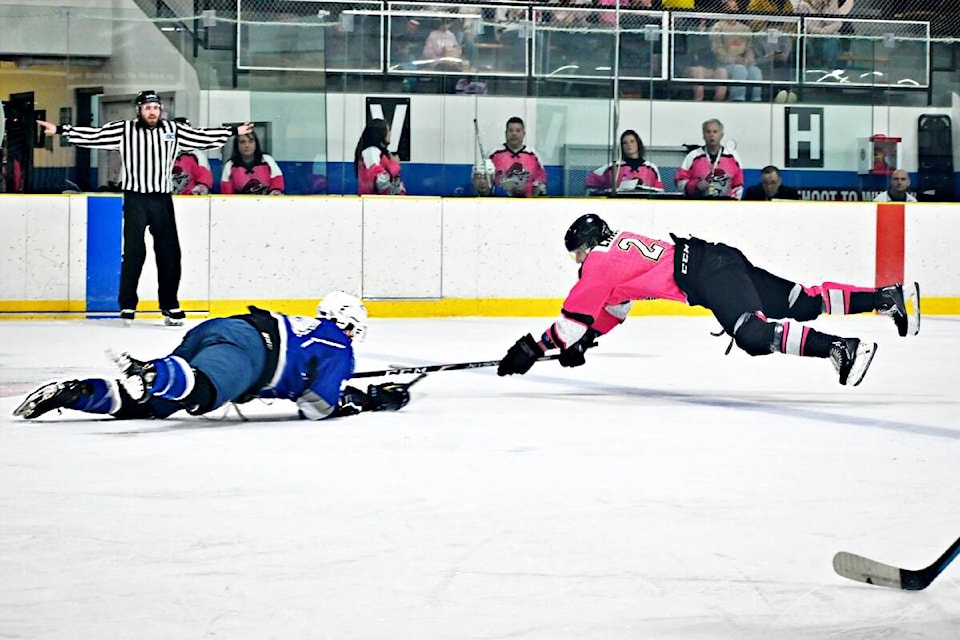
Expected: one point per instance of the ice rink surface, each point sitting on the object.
(663, 490)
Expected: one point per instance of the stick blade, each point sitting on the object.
(854, 567)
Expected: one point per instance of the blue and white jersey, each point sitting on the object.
(316, 356)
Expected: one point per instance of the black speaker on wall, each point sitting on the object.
(935, 167)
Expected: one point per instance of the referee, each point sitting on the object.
(148, 147)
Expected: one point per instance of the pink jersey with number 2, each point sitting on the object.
(629, 267)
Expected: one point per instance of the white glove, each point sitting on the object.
(200, 190)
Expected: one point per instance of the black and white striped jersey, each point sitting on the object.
(146, 154)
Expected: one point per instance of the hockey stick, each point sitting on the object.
(483, 154)
(862, 569)
(433, 368)
(476, 133)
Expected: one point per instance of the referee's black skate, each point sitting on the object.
(852, 357)
(53, 395)
(136, 376)
(173, 317)
(902, 303)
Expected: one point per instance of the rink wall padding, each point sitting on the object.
(890, 243)
(424, 256)
(104, 241)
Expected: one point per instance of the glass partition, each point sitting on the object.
(449, 75)
(866, 53)
(339, 36)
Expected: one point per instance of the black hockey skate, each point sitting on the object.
(136, 376)
(851, 357)
(173, 317)
(902, 303)
(53, 395)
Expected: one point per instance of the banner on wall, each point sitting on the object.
(840, 194)
(803, 132)
(396, 111)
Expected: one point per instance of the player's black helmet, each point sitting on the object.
(586, 232)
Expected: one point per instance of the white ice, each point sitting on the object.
(663, 490)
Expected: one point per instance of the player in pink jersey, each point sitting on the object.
(191, 171)
(251, 171)
(618, 267)
(632, 171)
(517, 170)
(711, 171)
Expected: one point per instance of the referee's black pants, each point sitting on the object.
(154, 211)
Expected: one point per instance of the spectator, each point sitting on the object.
(443, 47)
(148, 148)
(733, 47)
(406, 45)
(711, 171)
(518, 171)
(771, 187)
(628, 173)
(251, 171)
(775, 59)
(823, 50)
(899, 183)
(378, 170)
(699, 62)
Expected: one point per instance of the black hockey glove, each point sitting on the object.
(520, 357)
(573, 356)
(389, 396)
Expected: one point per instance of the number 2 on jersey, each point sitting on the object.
(653, 252)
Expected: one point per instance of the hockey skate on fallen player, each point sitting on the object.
(137, 376)
(53, 395)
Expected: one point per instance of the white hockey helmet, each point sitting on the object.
(346, 310)
(484, 168)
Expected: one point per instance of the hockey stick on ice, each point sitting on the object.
(434, 368)
(862, 569)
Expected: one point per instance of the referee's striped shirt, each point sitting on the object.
(146, 154)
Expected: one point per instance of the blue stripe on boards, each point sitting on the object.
(104, 251)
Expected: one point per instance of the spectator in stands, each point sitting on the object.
(405, 46)
(191, 171)
(517, 170)
(771, 187)
(711, 171)
(251, 171)
(775, 59)
(822, 50)
(899, 184)
(443, 47)
(631, 172)
(733, 47)
(377, 169)
(699, 62)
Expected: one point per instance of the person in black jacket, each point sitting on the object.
(771, 187)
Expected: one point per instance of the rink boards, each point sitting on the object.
(413, 257)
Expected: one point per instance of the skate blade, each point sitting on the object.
(911, 300)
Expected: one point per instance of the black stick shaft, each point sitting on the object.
(433, 368)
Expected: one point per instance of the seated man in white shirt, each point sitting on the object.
(899, 183)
